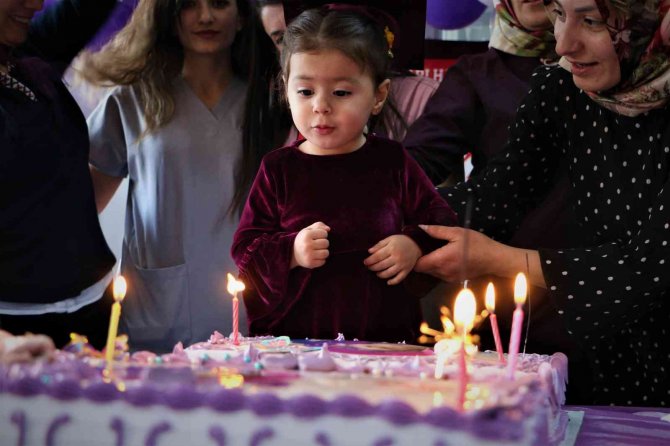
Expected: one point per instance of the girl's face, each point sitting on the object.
(208, 26)
(331, 100)
(583, 39)
(531, 14)
(15, 16)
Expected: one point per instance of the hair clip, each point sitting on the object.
(389, 39)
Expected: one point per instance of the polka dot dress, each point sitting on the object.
(614, 293)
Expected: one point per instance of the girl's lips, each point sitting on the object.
(323, 129)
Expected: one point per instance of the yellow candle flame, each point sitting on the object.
(447, 325)
(465, 309)
(234, 286)
(119, 288)
(520, 289)
(490, 298)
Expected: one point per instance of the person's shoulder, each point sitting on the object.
(477, 61)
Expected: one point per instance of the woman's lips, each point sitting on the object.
(582, 69)
(207, 34)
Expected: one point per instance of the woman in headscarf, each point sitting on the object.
(471, 113)
(605, 111)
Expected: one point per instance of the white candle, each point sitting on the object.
(465, 309)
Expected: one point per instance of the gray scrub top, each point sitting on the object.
(176, 248)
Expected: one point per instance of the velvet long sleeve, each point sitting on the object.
(364, 196)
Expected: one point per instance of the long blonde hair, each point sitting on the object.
(146, 53)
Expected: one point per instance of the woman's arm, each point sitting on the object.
(448, 128)
(104, 187)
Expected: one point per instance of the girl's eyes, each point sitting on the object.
(307, 92)
(188, 4)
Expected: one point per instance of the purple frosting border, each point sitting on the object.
(497, 423)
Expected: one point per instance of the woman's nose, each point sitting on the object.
(205, 15)
(568, 38)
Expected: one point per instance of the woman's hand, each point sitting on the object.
(484, 256)
(393, 258)
(310, 248)
(450, 261)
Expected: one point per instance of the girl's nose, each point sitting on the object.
(321, 104)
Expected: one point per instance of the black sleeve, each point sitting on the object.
(60, 32)
(449, 126)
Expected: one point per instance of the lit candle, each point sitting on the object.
(465, 309)
(119, 290)
(491, 307)
(234, 287)
(520, 290)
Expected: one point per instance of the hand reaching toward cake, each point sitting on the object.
(14, 349)
(310, 249)
(393, 258)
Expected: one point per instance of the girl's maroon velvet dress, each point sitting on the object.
(364, 196)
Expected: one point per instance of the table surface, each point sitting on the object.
(614, 426)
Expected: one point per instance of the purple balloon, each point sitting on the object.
(453, 14)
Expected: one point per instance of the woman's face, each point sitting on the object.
(584, 40)
(208, 26)
(274, 24)
(531, 14)
(15, 16)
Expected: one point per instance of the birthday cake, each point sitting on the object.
(278, 391)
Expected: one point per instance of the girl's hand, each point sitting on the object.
(393, 258)
(310, 248)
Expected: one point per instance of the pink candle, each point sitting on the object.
(490, 301)
(520, 288)
(234, 287)
(462, 377)
(236, 319)
(496, 337)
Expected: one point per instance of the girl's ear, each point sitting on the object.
(381, 94)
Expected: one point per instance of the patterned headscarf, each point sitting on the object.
(641, 37)
(509, 36)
